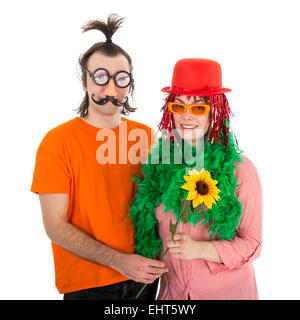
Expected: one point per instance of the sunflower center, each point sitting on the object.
(202, 187)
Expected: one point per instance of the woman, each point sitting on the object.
(209, 221)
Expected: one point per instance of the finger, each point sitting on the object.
(157, 271)
(175, 251)
(146, 277)
(149, 281)
(156, 263)
(170, 237)
(146, 281)
(151, 277)
(171, 244)
(177, 256)
(179, 236)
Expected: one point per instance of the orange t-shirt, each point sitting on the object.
(70, 159)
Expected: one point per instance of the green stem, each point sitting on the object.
(144, 286)
(177, 222)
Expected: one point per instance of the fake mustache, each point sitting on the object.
(114, 101)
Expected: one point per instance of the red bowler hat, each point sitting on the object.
(196, 77)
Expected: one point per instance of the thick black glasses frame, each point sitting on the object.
(92, 76)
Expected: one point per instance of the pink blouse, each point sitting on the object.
(234, 279)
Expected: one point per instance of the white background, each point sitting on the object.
(256, 43)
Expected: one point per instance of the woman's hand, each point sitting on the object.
(187, 249)
(184, 247)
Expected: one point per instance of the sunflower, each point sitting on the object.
(201, 187)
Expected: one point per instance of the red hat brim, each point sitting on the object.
(195, 92)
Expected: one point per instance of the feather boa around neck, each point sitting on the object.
(162, 184)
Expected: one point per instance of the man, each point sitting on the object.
(85, 195)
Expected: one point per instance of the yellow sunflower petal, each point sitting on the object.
(201, 198)
(208, 176)
(213, 191)
(217, 197)
(186, 187)
(208, 203)
(212, 182)
(196, 201)
(195, 177)
(193, 172)
(192, 195)
(188, 178)
(203, 175)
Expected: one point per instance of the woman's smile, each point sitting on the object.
(186, 126)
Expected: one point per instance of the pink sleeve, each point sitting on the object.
(246, 245)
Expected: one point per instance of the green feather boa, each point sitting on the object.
(162, 184)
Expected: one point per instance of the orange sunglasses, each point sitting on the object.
(196, 109)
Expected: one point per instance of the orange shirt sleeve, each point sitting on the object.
(51, 173)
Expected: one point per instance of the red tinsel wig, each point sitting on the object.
(220, 112)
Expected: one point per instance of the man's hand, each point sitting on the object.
(139, 268)
(184, 247)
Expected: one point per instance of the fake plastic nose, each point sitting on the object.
(110, 89)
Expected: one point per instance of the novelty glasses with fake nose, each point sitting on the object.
(101, 77)
(195, 109)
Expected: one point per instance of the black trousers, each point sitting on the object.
(126, 290)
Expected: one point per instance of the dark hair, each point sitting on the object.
(107, 48)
